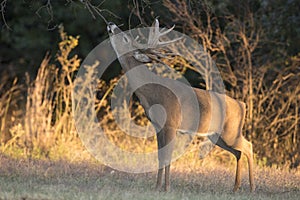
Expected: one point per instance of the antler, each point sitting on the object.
(152, 50)
(155, 34)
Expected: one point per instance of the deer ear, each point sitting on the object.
(141, 57)
(155, 23)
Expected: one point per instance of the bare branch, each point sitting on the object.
(2, 10)
(49, 9)
(96, 10)
(136, 11)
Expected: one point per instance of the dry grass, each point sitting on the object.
(38, 179)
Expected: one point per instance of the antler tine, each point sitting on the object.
(169, 42)
(163, 32)
(154, 34)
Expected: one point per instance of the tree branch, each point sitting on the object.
(2, 10)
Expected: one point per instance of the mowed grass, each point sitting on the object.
(40, 179)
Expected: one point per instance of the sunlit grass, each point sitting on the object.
(37, 179)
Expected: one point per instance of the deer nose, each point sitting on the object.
(110, 27)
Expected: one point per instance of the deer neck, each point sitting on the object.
(128, 62)
(137, 73)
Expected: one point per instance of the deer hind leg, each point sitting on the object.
(221, 143)
(238, 171)
(248, 151)
(243, 147)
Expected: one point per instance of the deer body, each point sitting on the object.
(231, 138)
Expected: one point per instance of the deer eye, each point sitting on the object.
(125, 39)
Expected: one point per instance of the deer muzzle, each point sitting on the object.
(112, 28)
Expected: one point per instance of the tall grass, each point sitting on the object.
(47, 122)
(10, 96)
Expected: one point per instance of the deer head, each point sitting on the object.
(123, 42)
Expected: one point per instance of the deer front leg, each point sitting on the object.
(160, 145)
(165, 149)
(167, 178)
(159, 178)
(170, 135)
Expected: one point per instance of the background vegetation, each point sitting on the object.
(254, 43)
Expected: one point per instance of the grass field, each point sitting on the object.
(40, 179)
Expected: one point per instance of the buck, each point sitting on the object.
(229, 137)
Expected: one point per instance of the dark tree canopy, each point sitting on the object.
(29, 28)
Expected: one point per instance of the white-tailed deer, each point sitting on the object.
(230, 136)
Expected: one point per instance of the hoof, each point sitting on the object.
(158, 188)
(235, 189)
(252, 189)
(167, 188)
